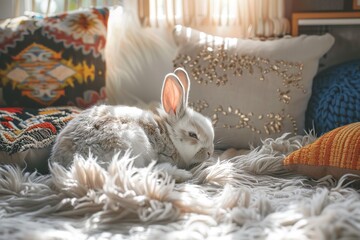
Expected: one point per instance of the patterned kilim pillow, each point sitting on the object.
(335, 153)
(54, 61)
(26, 135)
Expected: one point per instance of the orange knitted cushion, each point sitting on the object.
(334, 153)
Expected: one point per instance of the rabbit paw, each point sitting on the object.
(180, 175)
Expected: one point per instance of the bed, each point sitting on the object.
(287, 157)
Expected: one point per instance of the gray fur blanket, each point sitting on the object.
(232, 196)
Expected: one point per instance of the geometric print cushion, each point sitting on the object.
(335, 98)
(54, 61)
(335, 153)
(22, 129)
(27, 135)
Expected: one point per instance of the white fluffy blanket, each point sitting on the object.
(249, 196)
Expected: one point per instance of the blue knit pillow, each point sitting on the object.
(335, 99)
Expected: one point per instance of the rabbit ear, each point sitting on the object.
(173, 95)
(185, 80)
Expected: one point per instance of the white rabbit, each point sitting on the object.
(175, 134)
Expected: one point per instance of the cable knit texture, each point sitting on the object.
(335, 99)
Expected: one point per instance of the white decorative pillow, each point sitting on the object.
(137, 58)
(251, 89)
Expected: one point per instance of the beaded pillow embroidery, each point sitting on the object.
(252, 90)
(54, 61)
(335, 99)
(23, 130)
(335, 153)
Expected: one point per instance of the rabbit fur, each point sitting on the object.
(174, 135)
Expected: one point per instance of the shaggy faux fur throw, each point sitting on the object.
(248, 196)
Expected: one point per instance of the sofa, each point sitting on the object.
(277, 120)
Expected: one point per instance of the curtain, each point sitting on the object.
(250, 18)
(47, 7)
(237, 18)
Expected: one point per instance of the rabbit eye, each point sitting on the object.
(193, 135)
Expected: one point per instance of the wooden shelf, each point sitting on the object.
(323, 19)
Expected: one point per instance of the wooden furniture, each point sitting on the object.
(323, 19)
(356, 4)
